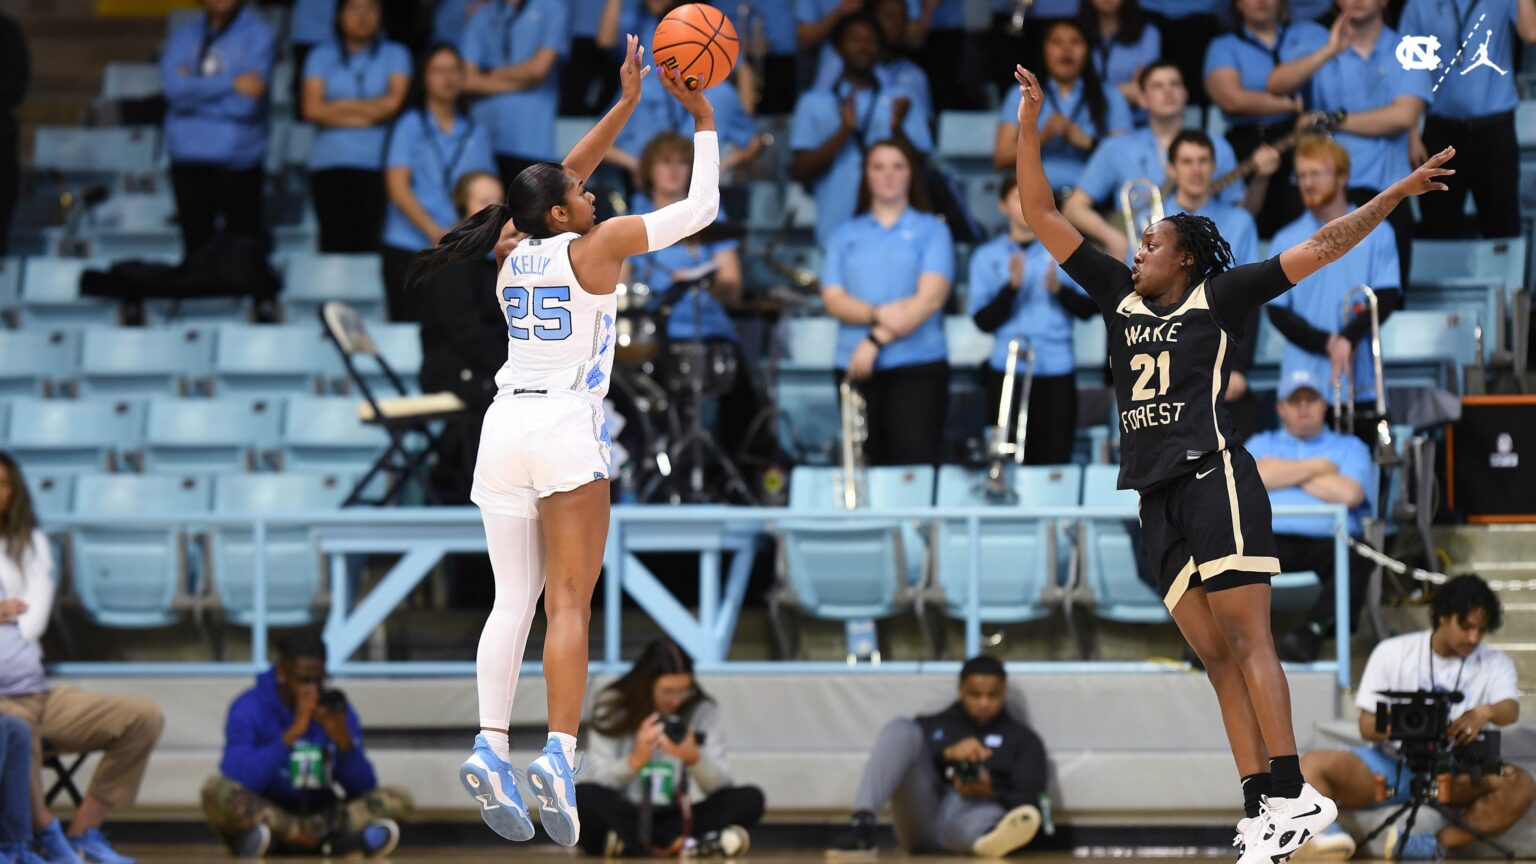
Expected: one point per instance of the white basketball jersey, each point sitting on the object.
(559, 337)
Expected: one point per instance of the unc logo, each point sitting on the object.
(1505, 457)
(1505, 443)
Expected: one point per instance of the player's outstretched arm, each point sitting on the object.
(1331, 241)
(1053, 229)
(593, 146)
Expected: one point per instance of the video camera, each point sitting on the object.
(1419, 719)
(963, 771)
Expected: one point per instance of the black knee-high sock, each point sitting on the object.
(1287, 776)
(1255, 786)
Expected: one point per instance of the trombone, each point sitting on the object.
(999, 448)
(1344, 410)
(1139, 195)
(851, 492)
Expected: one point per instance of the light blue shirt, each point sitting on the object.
(1481, 91)
(1319, 298)
(1137, 154)
(1064, 163)
(811, 11)
(523, 123)
(899, 73)
(1345, 451)
(585, 15)
(363, 75)
(1117, 62)
(451, 18)
(206, 120)
(1253, 60)
(314, 22)
(1310, 10)
(437, 161)
(818, 116)
(655, 269)
(1357, 84)
(1177, 9)
(879, 265)
(1234, 223)
(658, 112)
(783, 37)
(1037, 314)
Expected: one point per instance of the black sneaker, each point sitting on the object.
(858, 843)
(728, 842)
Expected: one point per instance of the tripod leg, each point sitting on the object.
(1387, 823)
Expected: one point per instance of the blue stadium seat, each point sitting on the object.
(272, 361)
(807, 394)
(969, 347)
(132, 577)
(52, 495)
(323, 434)
(121, 80)
(400, 344)
(1090, 349)
(35, 361)
(10, 288)
(50, 294)
(312, 278)
(66, 437)
(97, 150)
(966, 138)
(1441, 341)
(1108, 560)
(1019, 557)
(1440, 262)
(137, 361)
(294, 573)
(205, 436)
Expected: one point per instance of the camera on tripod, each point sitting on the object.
(1419, 720)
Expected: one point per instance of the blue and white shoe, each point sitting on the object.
(555, 785)
(493, 785)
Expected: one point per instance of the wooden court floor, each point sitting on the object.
(484, 855)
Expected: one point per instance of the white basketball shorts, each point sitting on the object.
(534, 445)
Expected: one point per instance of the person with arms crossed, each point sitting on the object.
(1205, 517)
(542, 477)
(512, 51)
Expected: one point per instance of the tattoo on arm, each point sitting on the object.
(1342, 234)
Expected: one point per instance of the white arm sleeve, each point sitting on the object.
(687, 217)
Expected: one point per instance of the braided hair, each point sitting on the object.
(1198, 237)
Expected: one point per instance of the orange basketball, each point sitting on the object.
(697, 40)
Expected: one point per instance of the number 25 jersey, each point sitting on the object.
(559, 337)
(1171, 365)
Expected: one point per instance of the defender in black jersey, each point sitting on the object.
(1174, 318)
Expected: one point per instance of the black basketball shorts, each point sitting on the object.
(1210, 528)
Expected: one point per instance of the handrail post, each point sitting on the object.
(613, 591)
(973, 600)
(259, 588)
(1341, 587)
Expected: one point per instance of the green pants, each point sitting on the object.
(232, 810)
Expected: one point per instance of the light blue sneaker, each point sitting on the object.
(492, 783)
(1422, 847)
(93, 848)
(52, 846)
(555, 785)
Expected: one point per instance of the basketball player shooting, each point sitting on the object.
(1173, 318)
(541, 476)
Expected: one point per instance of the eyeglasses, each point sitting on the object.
(675, 693)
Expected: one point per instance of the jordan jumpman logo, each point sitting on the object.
(1481, 57)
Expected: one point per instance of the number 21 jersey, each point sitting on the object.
(559, 337)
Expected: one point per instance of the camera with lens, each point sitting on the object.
(1419, 720)
(333, 701)
(676, 728)
(963, 771)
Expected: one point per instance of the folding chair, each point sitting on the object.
(63, 773)
(397, 415)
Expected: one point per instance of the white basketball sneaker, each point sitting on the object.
(1288, 823)
(1248, 831)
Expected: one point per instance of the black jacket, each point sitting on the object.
(1018, 763)
(463, 333)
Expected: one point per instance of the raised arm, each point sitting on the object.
(1286, 78)
(1053, 229)
(593, 146)
(1331, 241)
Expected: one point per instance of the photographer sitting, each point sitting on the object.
(287, 744)
(1450, 657)
(655, 733)
(964, 780)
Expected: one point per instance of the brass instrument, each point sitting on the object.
(1344, 410)
(755, 31)
(1139, 196)
(803, 278)
(999, 448)
(1017, 15)
(853, 492)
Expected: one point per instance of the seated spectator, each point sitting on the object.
(1237, 67)
(1079, 113)
(816, 24)
(966, 780)
(288, 744)
(1449, 657)
(886, 276)
(123, 729)
(433, 144)
(1142, 153)
(15, 771)
(1305, 462)
(15, 71)
(1123, 44)
(1019, 28)
(893, 68)
(1352, 73)
(1192, 165)
(1017, 291)
(512, 51)
(833, 128)
(354, 85)
(215, 71)
(655, 735)
(1311, 315)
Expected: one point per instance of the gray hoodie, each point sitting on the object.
(606, 760)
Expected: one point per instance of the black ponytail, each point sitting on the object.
(471, 239)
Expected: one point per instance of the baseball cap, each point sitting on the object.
(1295, 379)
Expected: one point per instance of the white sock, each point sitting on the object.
(567, 745)
(498, 742)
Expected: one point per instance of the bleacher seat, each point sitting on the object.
(35, 362)
(1443, 341)
(1019, 557)
(205, 436)
(50, 294)
(67, 437)
(1438, 262)
(969, 346)
(126, 362)
(400, 344)
(52, 496)
(121, 80)
(807, 395)
(323, 434)
(273, 361)
(570, 130)
(294, 574)
(97, 152)
(1090, 347)
(966, 139)
(1108, 560)
(10, 288)
(311, 278)
(126, 576)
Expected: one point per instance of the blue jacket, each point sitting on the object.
(206, 119)
(256, 757)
